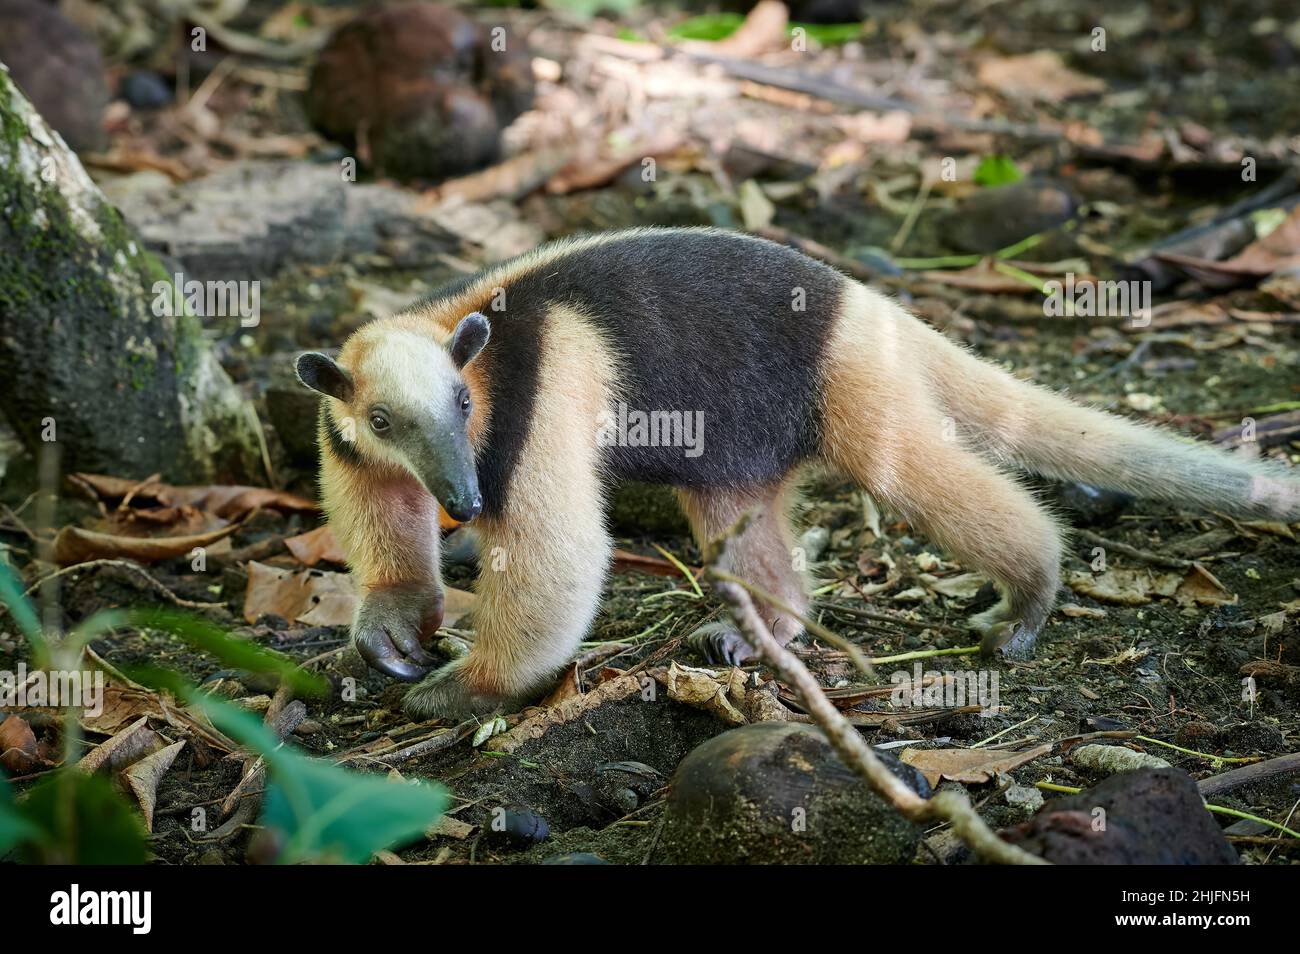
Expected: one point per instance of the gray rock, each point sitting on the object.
(994, 218)
(251, 219)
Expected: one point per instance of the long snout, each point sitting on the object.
(447, 471)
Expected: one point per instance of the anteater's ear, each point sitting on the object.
(322, 373)
(469, 338)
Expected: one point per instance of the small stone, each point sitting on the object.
(516, 828)
(145, 90)
(453, 647)
(1024, 798)
(1114, 758)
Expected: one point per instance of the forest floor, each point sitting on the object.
(1176, 631)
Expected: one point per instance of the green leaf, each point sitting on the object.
(19, 606)
(348, 816)
(708, 26)
(997, 170)
(327, 812)
(829, 34)
(586, 9)
(78, 819)
(234, 652)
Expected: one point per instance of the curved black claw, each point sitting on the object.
(1010, 641)
(720, 644)
(391, 627)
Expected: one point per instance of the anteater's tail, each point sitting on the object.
(1053, 436)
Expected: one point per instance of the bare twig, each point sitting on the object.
(947, 806)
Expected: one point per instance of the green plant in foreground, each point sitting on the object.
(312, 810)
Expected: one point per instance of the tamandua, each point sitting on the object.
(506, 395)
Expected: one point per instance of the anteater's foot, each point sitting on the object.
(444, 695)
(721, 644)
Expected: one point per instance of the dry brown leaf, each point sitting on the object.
(702, 689)
(539, 720)
(229, 501)
(448, 827)
(964, 586)
(121, 706)
(1200, 586)
(311, 597)
(74, 545)
(1278, 251)
(143, 777)
(316, 546)
(1075, 611)
(1124, 587)
(969, 766)
(17, 746)
(1041, 76)
(121, 750)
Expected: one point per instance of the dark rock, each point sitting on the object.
(145, 90)
(777, 793)
(293, 410)
(1249, 738)
(1149, 817)
(1091, 505)
(516, 828)
(994, 218)
(422, 88)
(58, 67)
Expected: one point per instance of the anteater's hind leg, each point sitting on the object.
(984, 519)
(883, 428)
(763, 555)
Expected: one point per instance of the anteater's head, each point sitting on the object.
(403, 402)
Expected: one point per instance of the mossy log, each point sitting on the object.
(87, 359)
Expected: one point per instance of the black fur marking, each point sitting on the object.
(704, 322)
(469, 338)
(321, 373)
(344, 450)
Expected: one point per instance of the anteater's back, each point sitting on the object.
(718, 325)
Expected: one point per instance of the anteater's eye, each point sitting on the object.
(464, 401)
(379, 422)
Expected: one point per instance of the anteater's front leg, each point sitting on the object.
(542, 559)
(388, 526)
(538, 590)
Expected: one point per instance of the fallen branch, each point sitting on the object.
(1250, 774)
(947, 806)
